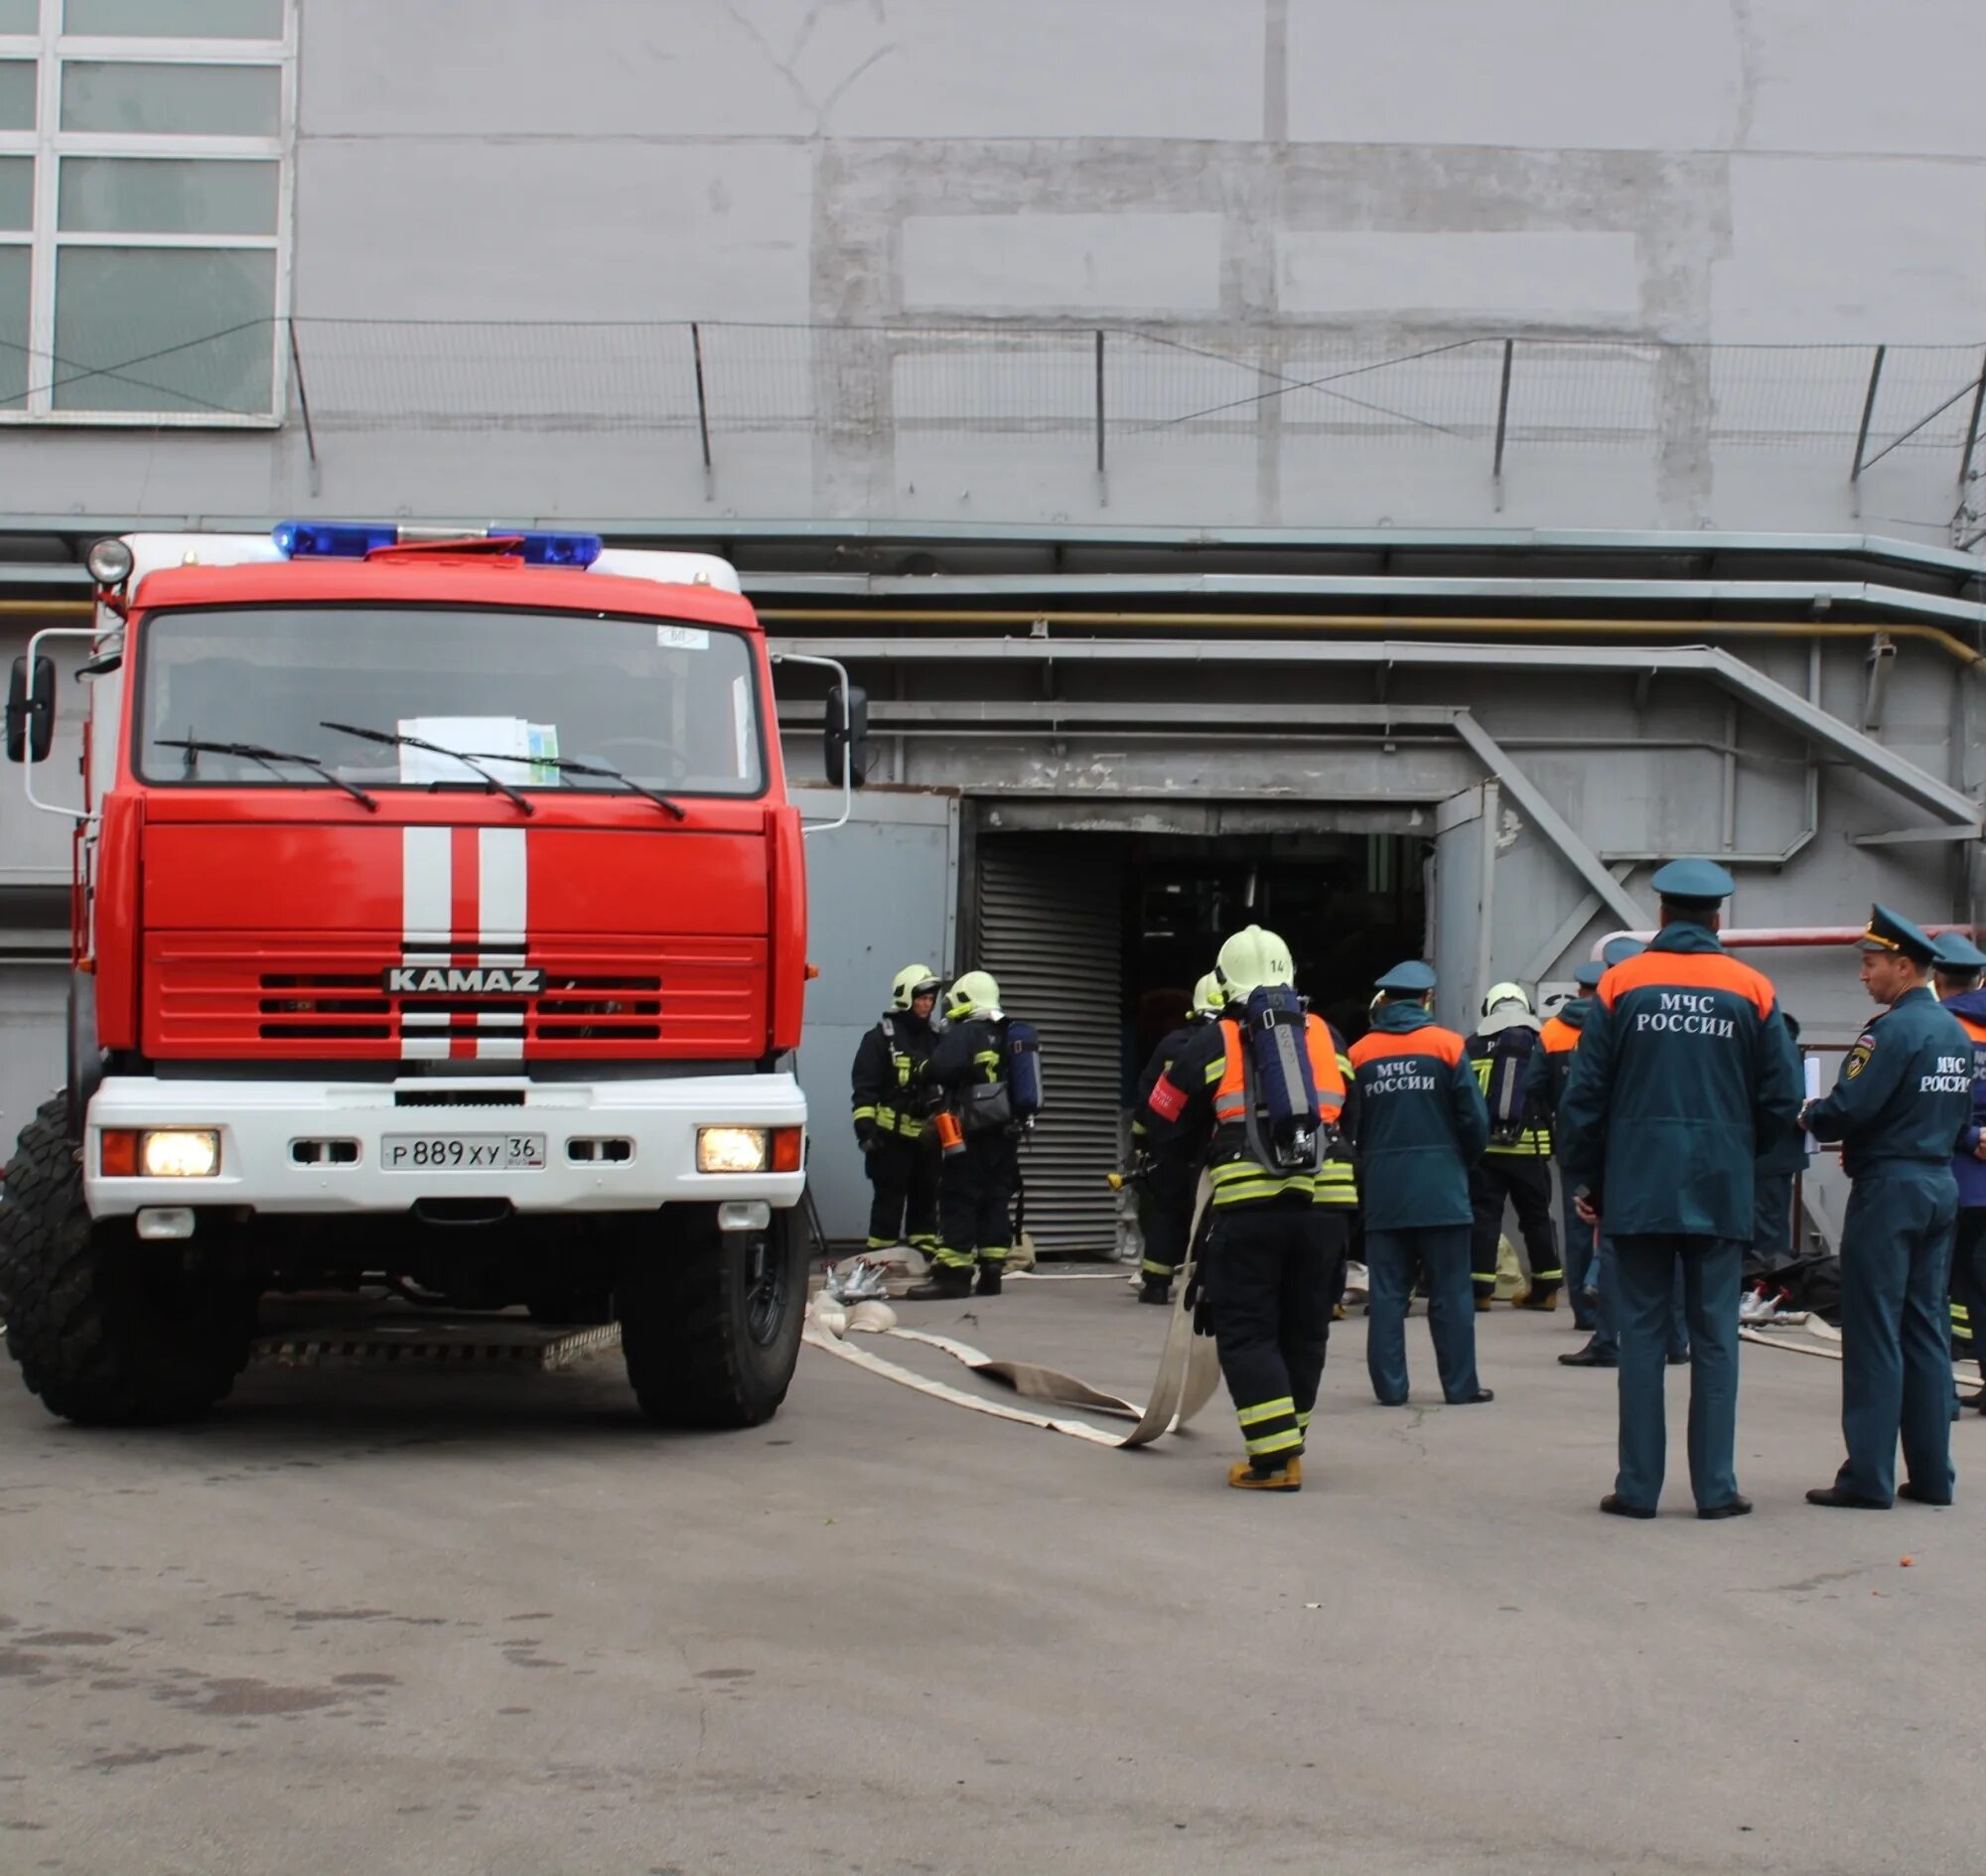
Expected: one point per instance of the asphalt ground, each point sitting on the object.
(490, 1623)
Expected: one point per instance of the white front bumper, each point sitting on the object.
(261, 1122)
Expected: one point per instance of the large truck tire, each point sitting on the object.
(108, 1331)
(710, 1320)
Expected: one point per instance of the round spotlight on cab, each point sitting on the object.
(109, 562)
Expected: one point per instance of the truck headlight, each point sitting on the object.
(181, 1153)
(732, 1149)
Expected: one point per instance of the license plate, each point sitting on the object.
(463, 1152)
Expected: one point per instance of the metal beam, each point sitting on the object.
(1908, 836)
(1763, 694)
(1545, 818)
(1574, 922)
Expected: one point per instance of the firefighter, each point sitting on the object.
(1959, 964)
(1515, 1167)
(1681, 1069)
(1551, 1065)
(1170, 1178)
(1420, 1125)
(977, 1182)
(892, 1126)
(1899, 1107)
(1270, 1275)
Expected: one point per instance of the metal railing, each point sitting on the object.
(1109, 389)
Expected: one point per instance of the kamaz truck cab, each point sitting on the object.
(439, 923)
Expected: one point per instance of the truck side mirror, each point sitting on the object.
(847, 739)
(31, 710)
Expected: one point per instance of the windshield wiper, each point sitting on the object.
(568, 765)
(399, 740)
(268, 757)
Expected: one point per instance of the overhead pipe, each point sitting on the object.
(1500, 626)
(1764, 938)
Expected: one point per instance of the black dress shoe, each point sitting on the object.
(1614, 1506)
(1679, 1361)
(1738, 1505)
(1833, 1496)
(1586, 1358)
(1918, 1495)
(1476, 1399)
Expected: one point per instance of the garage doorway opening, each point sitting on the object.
(1098, 937)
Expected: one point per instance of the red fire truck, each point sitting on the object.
(439, 923)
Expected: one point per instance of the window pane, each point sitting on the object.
(17, 94)
(114, 194)
(20, 16)
(13, 325)
(17, 192)
(163, 329)
(175, 19)
(194, 100)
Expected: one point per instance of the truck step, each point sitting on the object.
(399, 1337)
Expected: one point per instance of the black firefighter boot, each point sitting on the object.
(946, 1283)
(990, 1271)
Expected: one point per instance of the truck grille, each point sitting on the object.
(679, 998)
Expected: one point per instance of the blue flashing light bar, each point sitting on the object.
(543, 549)
(353, 540)
(334, 541)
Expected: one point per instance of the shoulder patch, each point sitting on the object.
(1858, 1056)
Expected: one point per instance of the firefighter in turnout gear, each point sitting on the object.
(1264, 1083)
(1958, 967)
(979, 1178)
(1901, 1110)
(1544, 1087)
(1170, 1177)
(891, 1121)
(1515, 1167)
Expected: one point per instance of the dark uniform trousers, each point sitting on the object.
(1896, 1247)
(1968, 1286)
(1524, 1181)
(1581, 1252)
(1771, 1244)
(1273, 1273)
(977, 1200)
(1165, 1213)
(903, 1207)
(1600, 1273)
(1439, 1255)
(1640, 1283)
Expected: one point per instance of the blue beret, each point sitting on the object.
(1617, 951)
(1890, 931)
(1956, 951)
(1694, 882)
(1589, 973)
(1410, 979)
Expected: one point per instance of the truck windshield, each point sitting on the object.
(537, 697)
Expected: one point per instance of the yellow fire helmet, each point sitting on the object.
(1251, 959)
(911, 982)
(1207, 999)
(974, 994)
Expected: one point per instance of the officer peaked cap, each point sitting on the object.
(1891, 931)
(1589, 973)
(1956, 951)
(1694, 883)
(1411, 979)
(1617, 950)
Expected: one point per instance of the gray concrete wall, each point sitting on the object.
(1297, 188)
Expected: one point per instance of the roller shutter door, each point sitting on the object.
(1050, 917)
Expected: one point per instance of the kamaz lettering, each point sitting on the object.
(481, 980)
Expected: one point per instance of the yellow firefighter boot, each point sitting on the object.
(1288, 1476)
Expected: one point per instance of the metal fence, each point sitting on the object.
(1107, 389)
